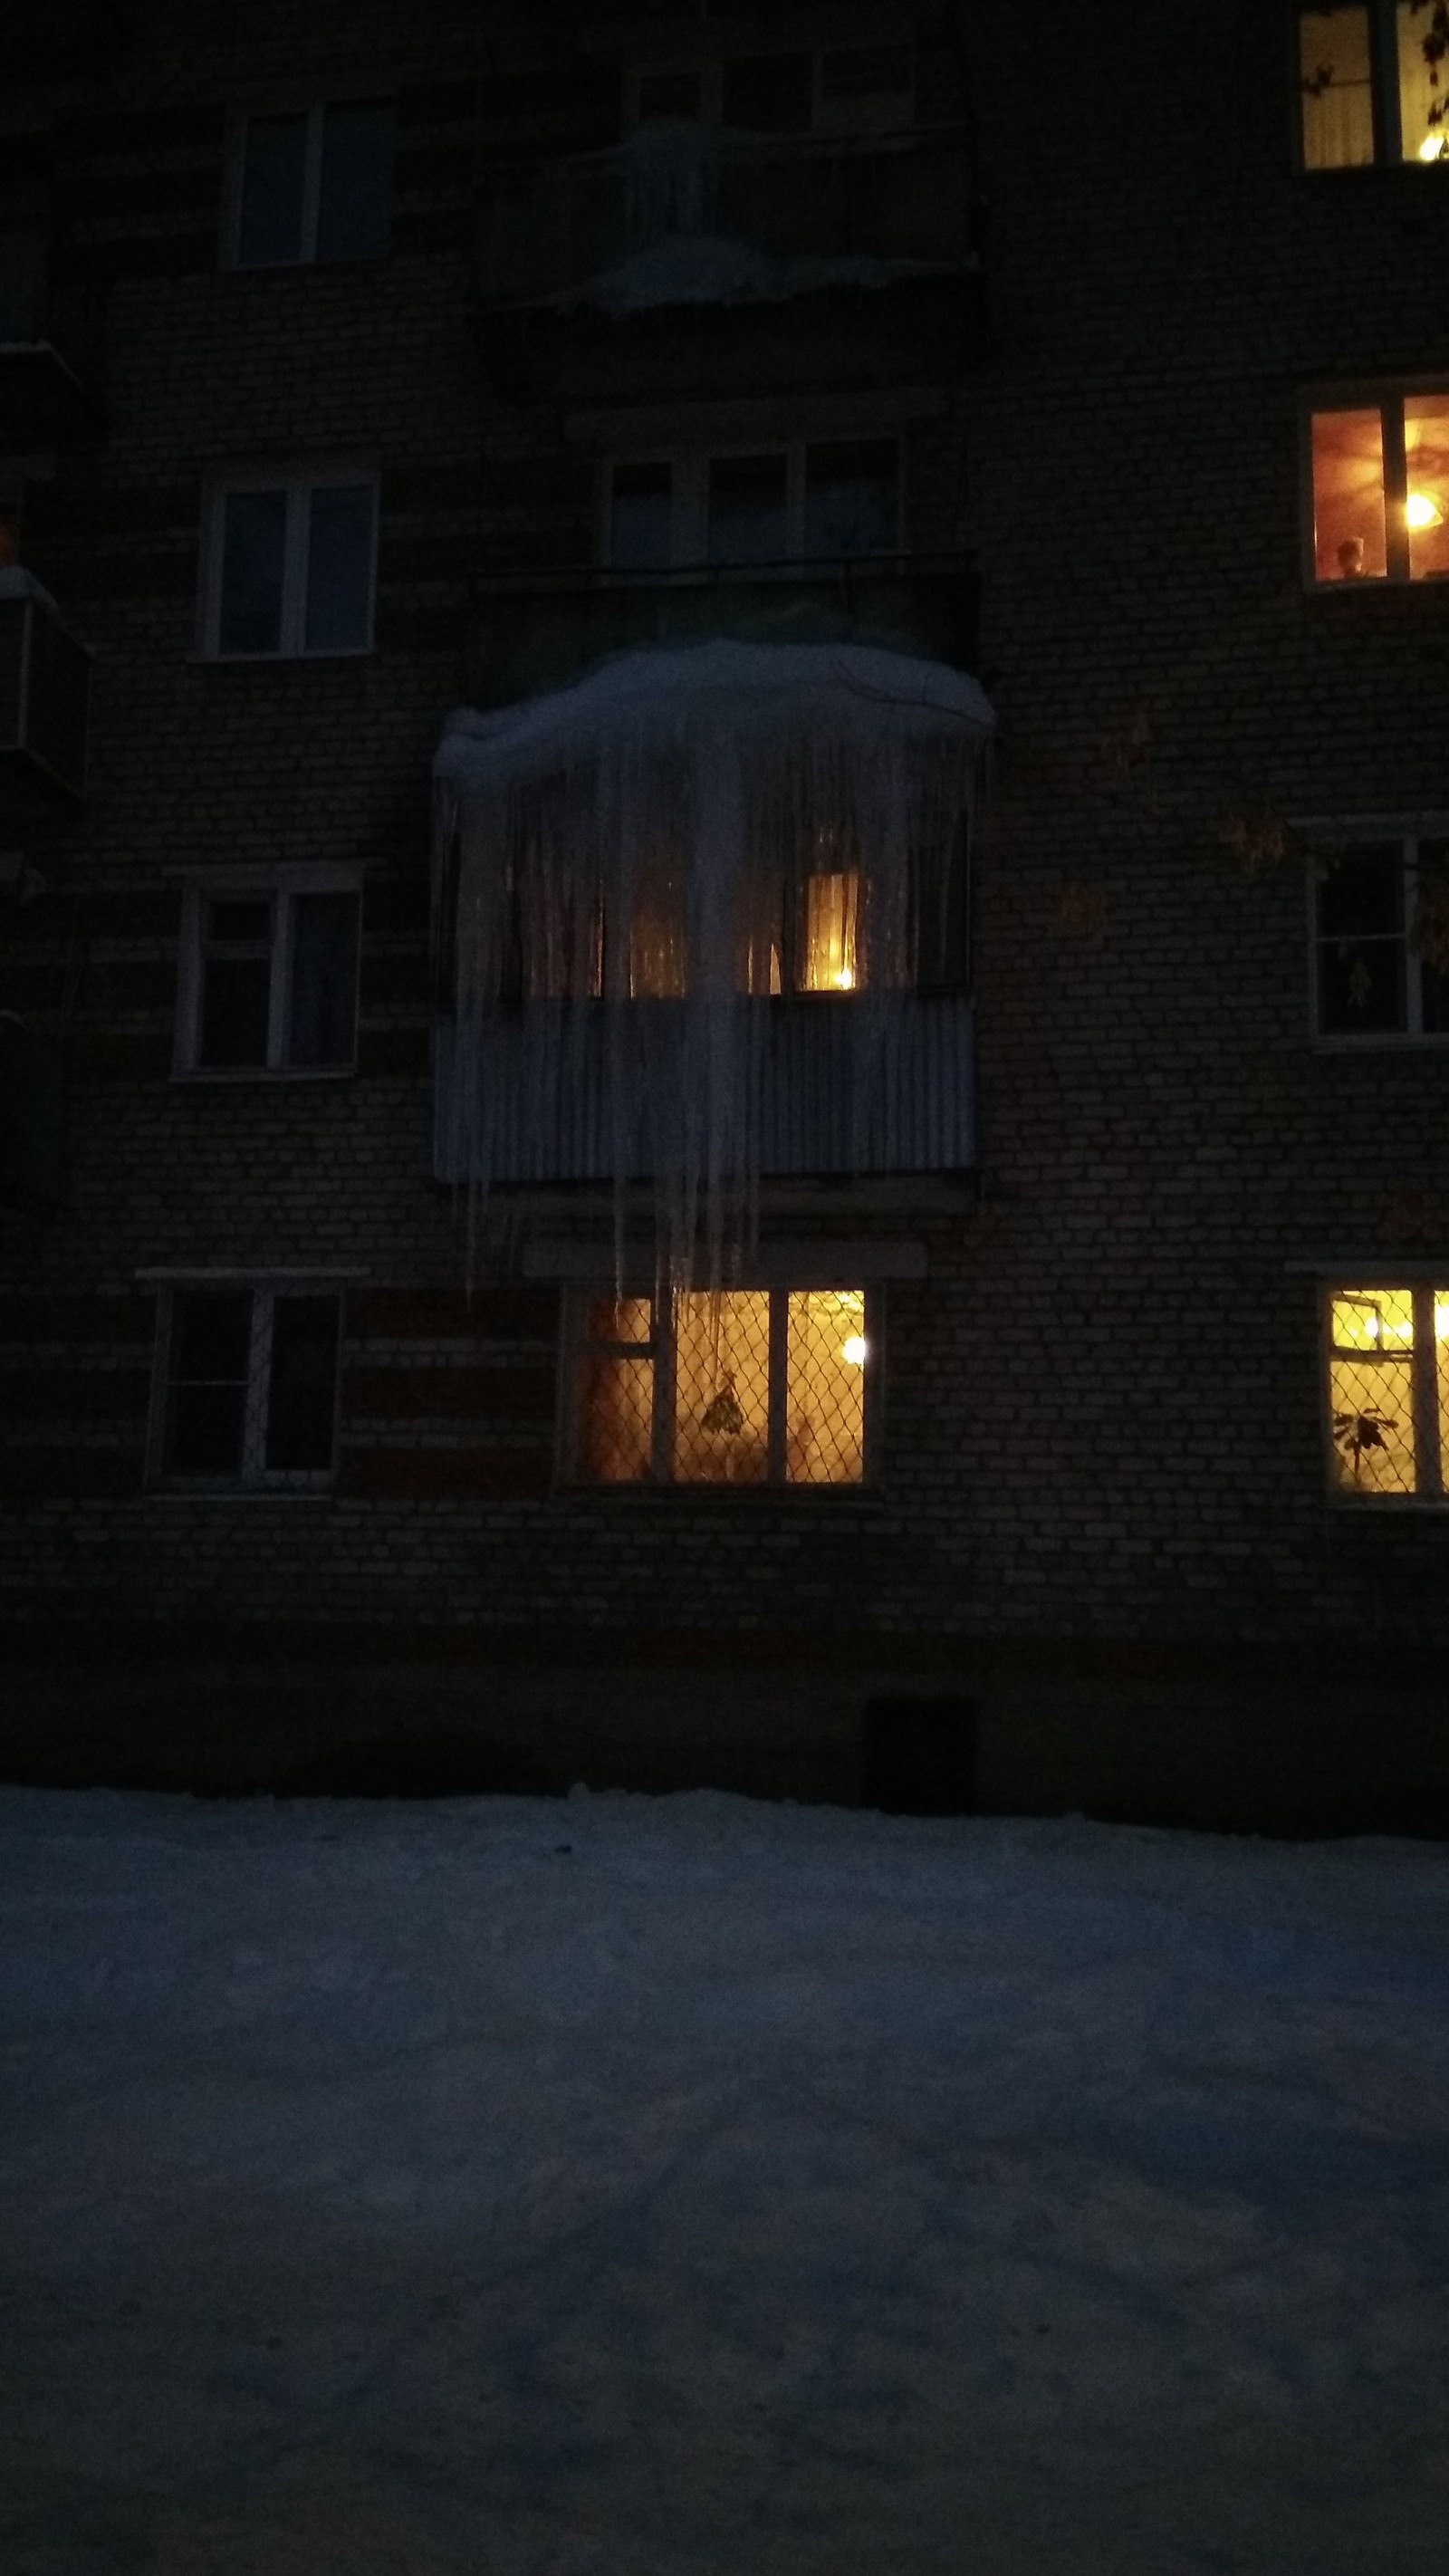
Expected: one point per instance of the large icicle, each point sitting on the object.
(615, 864)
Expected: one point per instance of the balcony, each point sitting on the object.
(534, 632)
(835, 1088)
(683, 215)
(44, 686)
(50, 340)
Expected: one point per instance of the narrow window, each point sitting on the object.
(206, 1396)
(1335, 71)
(737, 1387)
(253, 572)
(641, 517)
(250, 1399)
(721, 1423)
(302, 1386)
(1362, 953)
(1422, 131)
(851, 497)
(1426, 487)
(1349, 515)
(338, 614)
(273, 191)
(826, 1353)
(236, 982)
(829, 958)
(749, 518)
(354, 190)
(616, 1373)
(1388, 1391)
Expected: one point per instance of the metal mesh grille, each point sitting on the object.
(616, 1392)
(1441, 1377)
(722, 1388)
(825, 1387)
(1371, 1390)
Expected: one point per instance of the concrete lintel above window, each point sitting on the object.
(794, 1264)
(740, 420)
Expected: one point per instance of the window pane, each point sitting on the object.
(1426, 505)
(1362, 895)
(235, 1002)
(354, 206)
(668, 94)
(273, 177)
(1429, 935)
(239, 919)
(615, 1419)
(322, 1001)
(768, 93)
(254, 546)
(1348, 495)
(1338, 117)
(866, 71)
(748, 516)
(207, 1389)
(827, 1355)
(339, 568)
(302, 1400)
(832, 906)
(1362, 943)
(1371, 1390)
(722, 1388)
(850, 497)
(1423, 132)
(1441, 1378)
(641, 517)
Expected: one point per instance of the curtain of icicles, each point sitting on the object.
(624, 878)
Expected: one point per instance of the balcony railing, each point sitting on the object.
(832, 1092)
(44, 686)
(50, 339)
(654, 221)
(539, 631)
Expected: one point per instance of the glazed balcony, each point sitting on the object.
(44, 688)
(539, 631)
(683, 215)
(50, 339)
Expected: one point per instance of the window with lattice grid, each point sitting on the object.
(248, 1399)
(738, 1386)
(1388, 1391)
(268, 982)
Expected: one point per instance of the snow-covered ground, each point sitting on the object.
(690, 2187)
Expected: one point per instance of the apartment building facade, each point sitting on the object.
(725, 965)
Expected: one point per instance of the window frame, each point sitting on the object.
(1424, 1281)
(574, 1344)
(316, 111)
(255, 1481)
(1387, 397)
(826, 122)
(689, 505)
(1384, 100)
(279, 885)
(297, 483)
(1368, 835)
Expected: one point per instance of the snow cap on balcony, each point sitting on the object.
(642, 836)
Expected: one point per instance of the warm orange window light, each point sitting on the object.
(616, 1392)
(1349, 523)
(1337, 88)
(827, 1355)
(832, 906)
(722, 1387)
(1371, 1390)
(1423, 133)
(1426, 505)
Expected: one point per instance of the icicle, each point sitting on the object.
(627, 851)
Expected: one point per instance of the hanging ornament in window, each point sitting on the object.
(725, 1413)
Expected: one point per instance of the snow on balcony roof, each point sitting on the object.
(759, 693)
(709, 268)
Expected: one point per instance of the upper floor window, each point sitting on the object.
(1388, 1390)
(1380, 481)
(814, 501)
(1371, 84)
(268, 978)
(753, 1386)
(846, 89)
(314, 184)
(290, 563)
(246, 1394)
(1378, 908)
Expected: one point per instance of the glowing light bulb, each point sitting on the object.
(857, 1348)
(845, 979)
(1432, 147)
(1421, 510)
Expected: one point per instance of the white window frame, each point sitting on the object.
(574, 1342)
(689, 515)
(278, 886)
(1368, 835)
(315, 110)
(255, 1481)
(298, 483)
(1431, 1447)
(1384, 97)
(874, 112)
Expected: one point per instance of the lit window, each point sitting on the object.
(291, 566)
(1381, 939)
(315, 184)
(269, 980)
(1388, 1391)
(1380, 474)
(248, 1393)
(831, 908)
(736, 1387)
(1371, 84)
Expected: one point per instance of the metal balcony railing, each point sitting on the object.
(44, 687)
(540, 631)
(50, 338)
(647, 223)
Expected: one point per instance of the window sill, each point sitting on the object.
(227, 1076)
(229, 1494)
(1379, 582)
(1365, 1506)
(744, 1497)
(268, 661)
(1377, 1041)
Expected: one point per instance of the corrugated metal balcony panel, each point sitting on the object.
(835, 1089)
(44, 688)
(550, 230)
(51, 324)
(537, 633)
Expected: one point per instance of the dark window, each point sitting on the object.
(641, 517)
(278, 982)
(211, 1331)
(253, 566)
(1361, 950)
(301, 1400)
(274, 187)
(668, 94)
(251, 1386)
(748, 509)
(316, 185)
(236, 983)
(322, 1001)
(354, 193)
(296, 571)
(851, 489)
(339, 568)
(768, 93)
